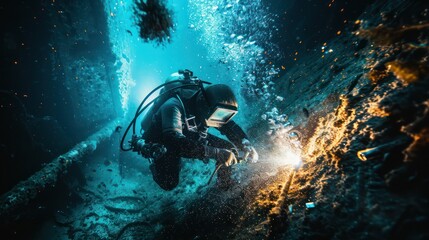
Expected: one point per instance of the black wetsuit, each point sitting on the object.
(167, 127)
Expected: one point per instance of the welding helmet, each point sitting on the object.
(217, 105)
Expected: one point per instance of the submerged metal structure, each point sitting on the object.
(24, 192)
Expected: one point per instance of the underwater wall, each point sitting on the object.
(62, 47)
(84, 60)
(58, 81)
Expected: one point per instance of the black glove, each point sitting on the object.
(221, 155)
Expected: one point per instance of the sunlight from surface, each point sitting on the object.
(122, 40)
(151, 82)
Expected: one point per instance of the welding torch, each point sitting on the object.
(241, 156)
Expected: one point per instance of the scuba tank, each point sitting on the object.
(182, 84)
(185, 88)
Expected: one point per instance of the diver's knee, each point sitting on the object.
(168, 185)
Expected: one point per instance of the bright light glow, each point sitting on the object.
(121, 43)
(146, 88)
(288, 156)
(285, 152)
(292, 158)
(148, 84)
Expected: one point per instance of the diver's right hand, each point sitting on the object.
(221, 155)
(227, 157)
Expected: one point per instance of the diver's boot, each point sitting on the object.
(152, 169)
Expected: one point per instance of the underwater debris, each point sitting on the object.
(310, 205)
(154, 20)
(379, 151)
(122, 204)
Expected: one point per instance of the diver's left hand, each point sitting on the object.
(250, 154)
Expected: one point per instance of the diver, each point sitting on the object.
(177, 126)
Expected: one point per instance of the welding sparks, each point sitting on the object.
(287, 154)
(290, 157)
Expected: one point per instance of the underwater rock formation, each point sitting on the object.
(361, 100)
